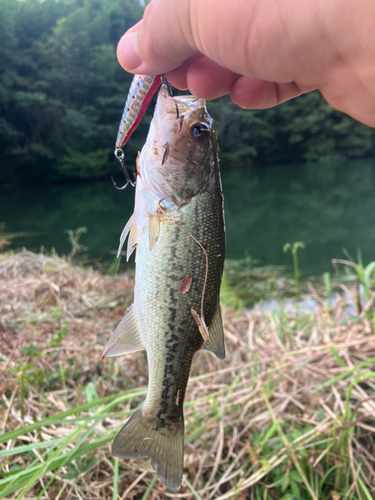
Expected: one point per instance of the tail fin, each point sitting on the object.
(139, 438)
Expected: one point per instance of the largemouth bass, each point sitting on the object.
(178, 231)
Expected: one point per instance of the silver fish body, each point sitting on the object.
(178, 210)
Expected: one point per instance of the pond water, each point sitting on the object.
(327, 206)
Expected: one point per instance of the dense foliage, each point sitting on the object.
(62, 93)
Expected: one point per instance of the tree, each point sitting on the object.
(62, 92)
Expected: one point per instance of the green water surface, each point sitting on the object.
(327, 206)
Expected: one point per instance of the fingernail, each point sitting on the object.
(127, 52)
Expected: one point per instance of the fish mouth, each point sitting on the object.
(177, 155)
(168, 107)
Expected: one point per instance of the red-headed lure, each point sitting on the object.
(142, 89)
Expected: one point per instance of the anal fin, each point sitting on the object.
(216, 335)
(125, 338)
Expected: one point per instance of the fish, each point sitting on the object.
(178, 231)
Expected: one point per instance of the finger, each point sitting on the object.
(177, 77)
(349, 94)
(208, 80)
(157, 51)
(172, 31)
(250, 93)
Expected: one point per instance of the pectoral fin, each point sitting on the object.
(125, 338)
(216, 335)
(132, 240)
(124, 234)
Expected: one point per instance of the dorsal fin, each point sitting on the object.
(216, 335)
(125, 338)
(124, 234)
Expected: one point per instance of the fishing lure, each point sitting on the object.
(142, 88)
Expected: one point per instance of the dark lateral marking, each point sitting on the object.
(177, 110)
(166, 153)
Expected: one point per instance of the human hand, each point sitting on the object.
(262, 52)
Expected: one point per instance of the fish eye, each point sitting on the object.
(200, 131)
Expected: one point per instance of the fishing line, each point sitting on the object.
(199, 320)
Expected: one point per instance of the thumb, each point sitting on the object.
(161, 41)
(171, 31)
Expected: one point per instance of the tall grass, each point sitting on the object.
(294, 250)
(289, 414)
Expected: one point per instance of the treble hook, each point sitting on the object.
(119, 154)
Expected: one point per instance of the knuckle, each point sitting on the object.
(148, 48)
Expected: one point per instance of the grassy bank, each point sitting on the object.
(289, 414)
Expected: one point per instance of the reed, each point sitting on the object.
(289, 414)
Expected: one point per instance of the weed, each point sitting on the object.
(294, 249)
(365, 276)
(58, 336)
(327, 284)
(250, 283)
(228, 295)
(114, 267)
(73, 237)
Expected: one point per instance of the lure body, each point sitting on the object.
(142, 88)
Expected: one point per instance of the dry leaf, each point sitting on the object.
(186, 282)
(201, 325)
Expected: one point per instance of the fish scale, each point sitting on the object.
(175, 255)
